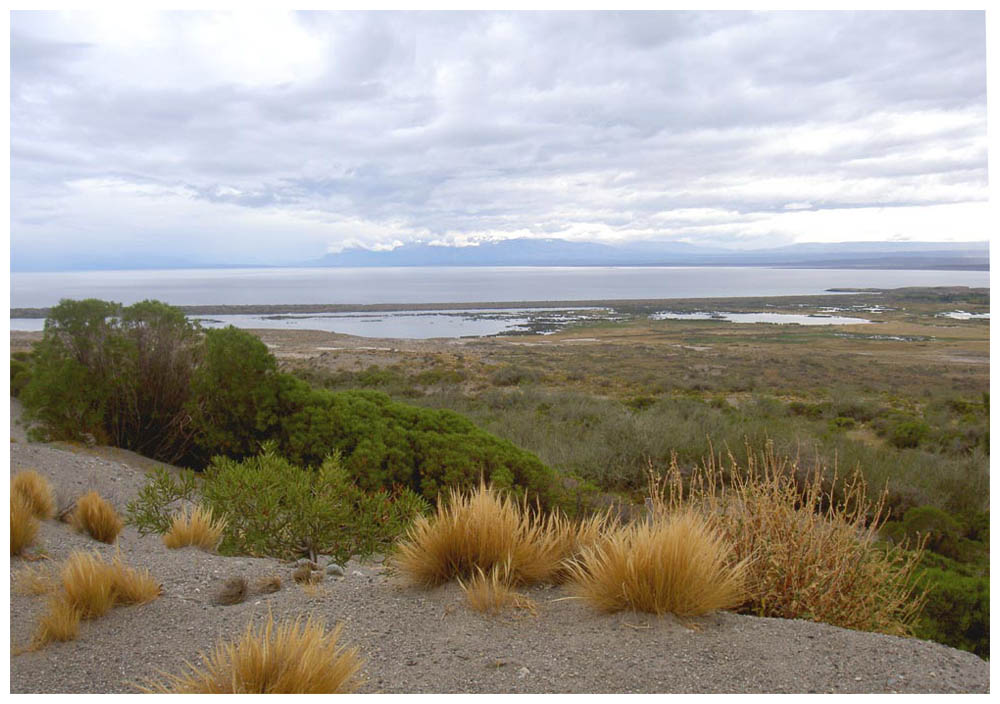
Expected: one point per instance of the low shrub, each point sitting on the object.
(676, 564)
(275, 508)
(20, 372)
(95, 516)
(195, 526)
(23, 524)
(37, 490)
(957, 611)
(153, 510)
(812, 552)
(288, 658)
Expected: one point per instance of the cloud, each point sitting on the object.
(279, 137)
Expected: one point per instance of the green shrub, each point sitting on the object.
(908, 433)
(234, 395)
(957, 611)
(153, 509)
(114, 375)
(20, 372)
(275, 508)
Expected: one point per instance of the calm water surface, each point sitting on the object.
(456, 284)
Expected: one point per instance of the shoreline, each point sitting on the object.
(614, 304)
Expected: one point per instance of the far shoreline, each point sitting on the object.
(305, 308)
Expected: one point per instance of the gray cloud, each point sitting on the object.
(213, 133)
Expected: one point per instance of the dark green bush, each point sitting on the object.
(163, 495)
(20, 372)
(234, 395)
(957, 611)
(115, 375)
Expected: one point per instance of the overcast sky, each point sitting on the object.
(277, 137)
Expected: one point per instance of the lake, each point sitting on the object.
(407, 285)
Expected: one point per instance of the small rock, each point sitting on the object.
(522, 673)
(356, 573)
(334, 569)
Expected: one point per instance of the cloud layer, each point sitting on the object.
(277, 137)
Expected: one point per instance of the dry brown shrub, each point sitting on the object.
(483, 529)
(95, 516)
(676, 564)
(133, 585)
(812, 552)
(37, 491)
(195, 526)
(269, 585)
(23, 524)
(287, 658)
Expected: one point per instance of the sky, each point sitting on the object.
(274, 137)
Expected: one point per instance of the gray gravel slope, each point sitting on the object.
(418, 641)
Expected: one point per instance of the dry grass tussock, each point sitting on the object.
(809, 553)
(23, 524)
(95, 516)
(60, 622)
(293, 657)
(674, 564)
(483, 529)
(37, 491)
(93, 586)
(491, 592)
(195, 526)
(87, 588)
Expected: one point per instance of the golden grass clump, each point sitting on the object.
(676, 564)
(23, 524)
(491, 593)
(93, 586)
(812, 552)
(195, 526)
(293, 657)
(60, 622)
(37, 490)
(95, 516)
(483, 529)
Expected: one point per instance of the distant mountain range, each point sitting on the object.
(556, 252)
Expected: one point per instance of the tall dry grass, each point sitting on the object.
(288, 658)
(60, 622)
(675, 564)
(37, 491)
(23, 524)
(490, 592)
(483, 529)
(195, 526)
(95, 516)
(810, 545)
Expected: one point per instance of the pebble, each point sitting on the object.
(522, 673)
(334, 569)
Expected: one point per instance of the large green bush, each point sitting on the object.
(957, 611)
(115, 375)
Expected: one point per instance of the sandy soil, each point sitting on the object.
(417, 641)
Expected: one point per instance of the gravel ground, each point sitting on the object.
(417, 641)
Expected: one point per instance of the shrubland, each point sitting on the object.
(575, 427)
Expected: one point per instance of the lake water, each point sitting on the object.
(778, 318)
(407, 285)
